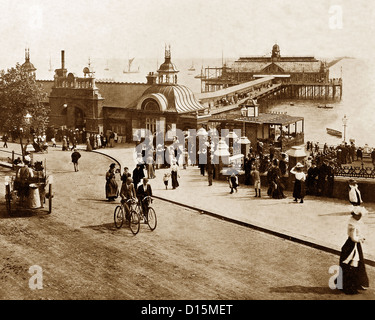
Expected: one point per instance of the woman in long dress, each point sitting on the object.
(275, 187)
(353, 274)
(174, 174)
(111, 187)
(299, 183)
(88, 144)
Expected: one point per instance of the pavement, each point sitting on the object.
(319, 222)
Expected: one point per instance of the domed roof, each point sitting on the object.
(167, 67)
(27, 65)
(180, 98)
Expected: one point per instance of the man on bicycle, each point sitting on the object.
(127, 192)
(143, 191)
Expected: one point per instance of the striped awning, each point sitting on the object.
(180, 98)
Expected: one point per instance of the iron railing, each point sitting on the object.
(357, 172)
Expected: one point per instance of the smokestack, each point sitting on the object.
(62, 59)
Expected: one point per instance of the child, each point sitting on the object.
(232, 179)
(256, 179)
(166, 179)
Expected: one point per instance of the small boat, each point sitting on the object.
(334, 132)
(292, 104)
(192, 68)
(106, 67)
(130, 61)
(325, 107)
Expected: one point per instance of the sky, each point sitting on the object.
(194, 28)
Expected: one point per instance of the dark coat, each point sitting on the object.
(138, 175)
(141, 192)
(75, 156)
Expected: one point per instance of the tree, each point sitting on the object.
(21, 94)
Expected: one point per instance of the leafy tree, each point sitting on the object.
(21, 94)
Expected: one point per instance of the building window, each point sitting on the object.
(151, 124)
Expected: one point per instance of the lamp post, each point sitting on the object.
(27, 117)
(344, 122)
(244, 114)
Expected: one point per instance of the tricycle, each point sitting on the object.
(29, 193)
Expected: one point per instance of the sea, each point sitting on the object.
(357, 103)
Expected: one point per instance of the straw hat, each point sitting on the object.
(299, 165)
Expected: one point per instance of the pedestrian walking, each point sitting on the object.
(232, 178)
(355, 197)
(111, 187)
(64, 144)
(125, 175)
(53, 140)
(75, 157)
(275, 186)
(256, 178)
(210, 173)
(352, 273)
(299, 182)
(174, 174)
(166, 180)
(373, 157)
(5, 140)
(150, 167)
(88, 144)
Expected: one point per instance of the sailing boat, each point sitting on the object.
(106, 67)
(192, 68)
(201, 75)
(130, 61)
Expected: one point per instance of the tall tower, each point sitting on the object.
(167, 73)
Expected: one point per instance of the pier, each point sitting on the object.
(267, 89)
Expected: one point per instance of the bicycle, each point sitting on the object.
(150, 217)
(129, 214)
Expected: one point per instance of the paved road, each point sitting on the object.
(188, 256)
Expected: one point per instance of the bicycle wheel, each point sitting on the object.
(119, 217)
(135, 222)
(151, 219)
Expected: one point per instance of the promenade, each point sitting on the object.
(318, 222)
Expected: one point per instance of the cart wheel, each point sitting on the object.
(50, 205)
(8, 204)
(8, 200)
(50, 196)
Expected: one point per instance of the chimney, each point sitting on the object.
(62, 59)
(151, 78)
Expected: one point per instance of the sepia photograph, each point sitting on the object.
(187, 155)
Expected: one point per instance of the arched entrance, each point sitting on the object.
(79, 118)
